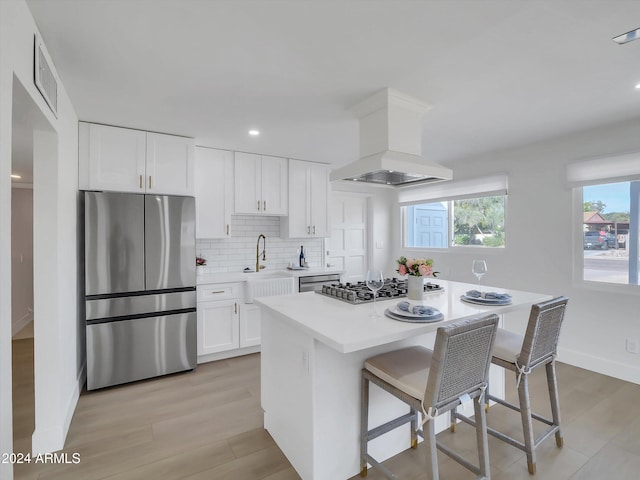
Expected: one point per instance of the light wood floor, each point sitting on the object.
(207, 424)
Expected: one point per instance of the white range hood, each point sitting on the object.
(391, 143)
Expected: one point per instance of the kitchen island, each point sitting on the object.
(313, 348)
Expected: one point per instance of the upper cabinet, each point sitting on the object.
(125, 160)
(213, 192)
(308, 201)
(260, 184)
(170, 164)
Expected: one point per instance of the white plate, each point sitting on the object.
(403, 313)
(415, 319)
(485, 301)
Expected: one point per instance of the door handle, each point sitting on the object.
(264, 208)
(217, 291)
(309, 229)
(258, 205)
(227, 229)
(314, 229)
(235, 308)
(149, 182)
(140, 181)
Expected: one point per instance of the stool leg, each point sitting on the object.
(432, 451)
(364, 423)
(527, 424)
(552, 383)
(414, 428)
(481, 437)
(452, 420)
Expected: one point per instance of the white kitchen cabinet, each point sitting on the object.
(170, 164)
(213, 192)
(250, 325)
(218, 317)
(308, 201)
(260, 184)
(218, 326)
(126, 160)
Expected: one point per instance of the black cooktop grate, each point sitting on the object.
(356, 293)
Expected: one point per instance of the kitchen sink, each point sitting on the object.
(264, 284)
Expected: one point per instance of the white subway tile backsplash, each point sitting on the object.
(239, 251)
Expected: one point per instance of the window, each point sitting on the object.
(457, 222)
(609, 192)
(607, 232)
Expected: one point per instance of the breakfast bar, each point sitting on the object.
(313, 348)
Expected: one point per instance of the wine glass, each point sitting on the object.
(375, 281)
(479, 269)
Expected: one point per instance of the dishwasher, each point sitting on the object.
(312, 283)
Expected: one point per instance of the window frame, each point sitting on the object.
(450, 227)
(577, 195)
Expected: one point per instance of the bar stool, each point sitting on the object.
(522, 355)
(432, 382)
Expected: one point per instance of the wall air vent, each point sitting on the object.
(44, 77)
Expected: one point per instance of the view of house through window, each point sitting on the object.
(606, 230)
(471, 221)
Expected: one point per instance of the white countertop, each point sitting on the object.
(349, 328)
(225, 277)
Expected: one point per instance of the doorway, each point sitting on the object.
(348, 241)
(33, 141)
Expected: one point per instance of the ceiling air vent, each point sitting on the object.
(44, 78)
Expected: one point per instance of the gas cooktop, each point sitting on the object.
(359, 292)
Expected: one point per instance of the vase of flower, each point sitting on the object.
(415, 269)
(415, 287)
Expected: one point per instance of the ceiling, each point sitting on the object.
(497, 73)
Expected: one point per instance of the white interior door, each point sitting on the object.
(348, 241)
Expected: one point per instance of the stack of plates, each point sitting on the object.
(505, 300)
(404, 316)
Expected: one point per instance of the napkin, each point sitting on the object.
(422, 310)
(488, 295)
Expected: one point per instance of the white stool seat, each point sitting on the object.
(508, 345)
(406, 369)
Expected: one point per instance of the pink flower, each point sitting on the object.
(425, 270)
(402, 270)
(410, 264)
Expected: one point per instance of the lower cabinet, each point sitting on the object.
(225, 322)
(250, 325)
(218, 326)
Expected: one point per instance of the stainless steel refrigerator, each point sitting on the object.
(139, 256)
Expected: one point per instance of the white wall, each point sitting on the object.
(58, 367)
(541, 242)
(21, 258)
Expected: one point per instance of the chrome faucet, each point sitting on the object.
(264, 252)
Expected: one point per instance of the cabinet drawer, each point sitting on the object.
(219, 291)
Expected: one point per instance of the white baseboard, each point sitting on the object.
(601, 365)
(212, 357)
(52, 439)
(21, 323)
(74, 397)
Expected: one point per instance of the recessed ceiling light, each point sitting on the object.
(638, 86)
(627, 37)
(254, 133)
(13, 175)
